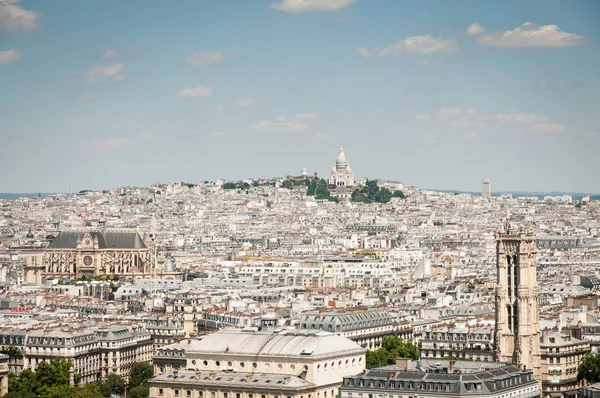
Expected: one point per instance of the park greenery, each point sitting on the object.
(393, 347)
(236, 185)
(589, 369)
(371, 192)
(320, 190)
(53, 380)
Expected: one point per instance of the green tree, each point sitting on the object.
(88, 391)
(58, 391)
(393, 347)
(114, 384)
(26, 382)
(287, 184)
(139, 392)
(19, 394)
(589, 369)
(229, 185)
(141, 372)
(398, 194)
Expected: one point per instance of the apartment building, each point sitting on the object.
(468, 342)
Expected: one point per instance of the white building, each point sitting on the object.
(341, 175)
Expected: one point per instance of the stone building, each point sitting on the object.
(561, 356)
(341, 175)
(73, 254)
(250, 363)
(3, 374)
(473, 343)
(93, 353)
(367, 327)
(517, 335)
(439, 379)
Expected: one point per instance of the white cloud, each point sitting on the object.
(13, 18)
(593, 134)
(527, 35)
(546, 128)
(286, 124)
(514, 119)
(300, 6)
(115, 142)
(146, 136)
(111, 54)
(99, 73)
(197, 92)
(86, 96)
(245, 102)
(206, 58)
(413, 45)
(431, 64)
(421, 116)
(6, 57)
(475, 29)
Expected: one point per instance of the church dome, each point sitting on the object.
(333, 169)
(341, 162)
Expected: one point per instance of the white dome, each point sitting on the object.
(333, 169)
(341, 157)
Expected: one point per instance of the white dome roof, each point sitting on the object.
(341, 157)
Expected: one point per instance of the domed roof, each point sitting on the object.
(333, 169)
(341, 157)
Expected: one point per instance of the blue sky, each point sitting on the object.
(437, 94)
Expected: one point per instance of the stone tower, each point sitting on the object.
(517, 332)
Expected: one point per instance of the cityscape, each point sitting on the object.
(273, 233)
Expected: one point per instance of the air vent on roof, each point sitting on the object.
(306, 352)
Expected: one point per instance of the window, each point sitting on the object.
(161, 392)
(176, 392)
(188, 393)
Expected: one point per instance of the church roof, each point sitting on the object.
(341, 157)
(106, 240)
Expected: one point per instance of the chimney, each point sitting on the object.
(404, 363)
(545, 334)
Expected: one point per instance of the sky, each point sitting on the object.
(436, 94)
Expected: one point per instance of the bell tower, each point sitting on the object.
(517, 331)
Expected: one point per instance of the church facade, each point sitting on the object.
(74, 254)
(341, 175)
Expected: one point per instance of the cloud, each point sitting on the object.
(16, 19)
(546, 128)
(413, 45)
(197, 92)
(527, 35)
(111, 54)
(431, 64)
(146, 136)
(475, 29)
(592, 134)
(99, 73)
(300, 6)
(285, 124)
(206, 58)
(6, 57)
(421, 116)
(246, 102)
(114, 142)
(516, 119)
(217, 134)
(471, 122)
(86, 96)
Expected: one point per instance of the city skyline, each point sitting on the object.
(438, 95)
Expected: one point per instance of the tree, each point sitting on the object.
(58, 391)
(398, 194)
(393, 347)
(25, 382)
(139, 392)
(287, 184)
(589, 369)
(141, 372)
(88, 391)
(19, 394)
(114, 384)
(52, 374)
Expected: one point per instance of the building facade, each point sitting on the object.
(284, 362)
(517, 336)
(472, 343)
(561, 356)
(442, 379)
(74, 254)
(341, 175)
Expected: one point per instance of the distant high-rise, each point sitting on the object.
(486, 188)
(517, 333)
